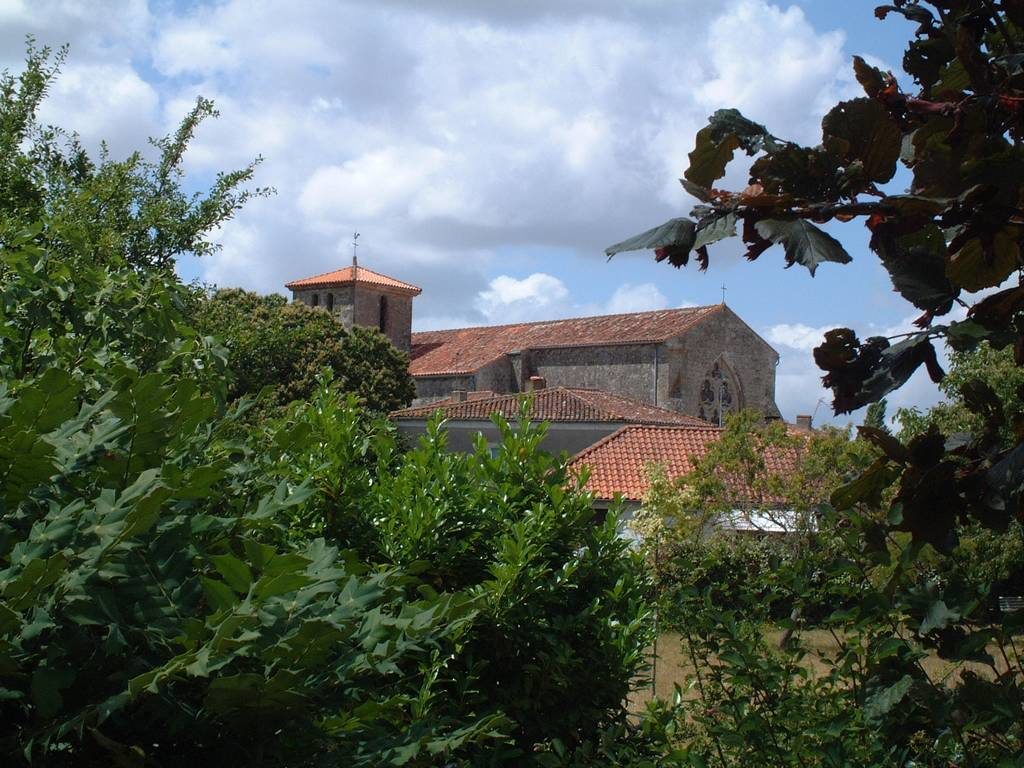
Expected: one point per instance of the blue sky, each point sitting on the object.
(487, 151)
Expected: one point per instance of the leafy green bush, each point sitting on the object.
(561, 600)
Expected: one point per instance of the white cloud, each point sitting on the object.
(195, 48)
(509, 300)
(636, 298)
(796, 335)
(379, 182)
(449, 127)
(109, 101)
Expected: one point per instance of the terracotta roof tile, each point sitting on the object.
(557, 404)
(350, 275)
(466, 350)
(618, 463)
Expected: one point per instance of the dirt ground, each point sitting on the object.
(674, 667)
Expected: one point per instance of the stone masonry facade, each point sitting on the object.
(368, 306)
(713, 367)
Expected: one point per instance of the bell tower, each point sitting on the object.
(356, 295)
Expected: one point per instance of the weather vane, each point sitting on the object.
(355, 244)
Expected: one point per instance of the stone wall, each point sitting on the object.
(746, 356)
(398, 316)
(498, 376)
(625, 369)
(362, 306)
(342, 301)
(430, 389)
(668, 374)
(569, 437)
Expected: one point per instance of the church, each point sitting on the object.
(702, 362)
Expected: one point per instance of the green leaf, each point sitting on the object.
(727, 131)
(710, 157)
(880, 704)
(271, 586)
(235, 572)
(701, 193)
(870, 78)
(219, 594)
(974, 269)
(47, 683)
(867, 133)
(804, 243)
(675, 232)
(46, 402)
(916, 262)
(866, 488)
(715, 228)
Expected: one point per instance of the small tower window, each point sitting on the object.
(316, 300)
(330, 302)
(383, 314)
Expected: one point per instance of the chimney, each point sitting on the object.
(459, 395)
(804, 422)
(537, 382)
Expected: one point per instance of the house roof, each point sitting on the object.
(557, 404)
(350, 275)
(467, 350)
(618, 463)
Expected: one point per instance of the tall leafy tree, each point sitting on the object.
(135, 208)
(285, 347)
(997, 370)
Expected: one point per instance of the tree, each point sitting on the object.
(135, 208)
(995, 369)
(285, 347)
(956, 234)
(875, 415)
(762, 471)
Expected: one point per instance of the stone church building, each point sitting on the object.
(699, 361)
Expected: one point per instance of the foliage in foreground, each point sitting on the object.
(178, 587)
(909, 529)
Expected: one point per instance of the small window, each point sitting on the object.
(383, 314)
(316, 300)
(330, 302)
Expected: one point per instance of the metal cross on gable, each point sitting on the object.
(723, 293)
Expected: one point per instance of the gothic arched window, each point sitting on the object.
(383, 314)
(316, 300)
(330, 302)
(718, 394)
